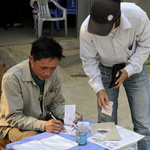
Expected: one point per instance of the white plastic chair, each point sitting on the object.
(43, 14)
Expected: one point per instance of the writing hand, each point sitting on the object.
(54, 126)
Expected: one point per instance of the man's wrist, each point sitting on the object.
(102, 90)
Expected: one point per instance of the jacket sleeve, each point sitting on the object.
(12, 107)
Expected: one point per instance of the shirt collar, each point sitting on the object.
(125, 23)
(26, 72)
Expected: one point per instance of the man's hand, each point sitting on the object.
(54, 126)
(122, 78)
(78, 118)
(102, 99)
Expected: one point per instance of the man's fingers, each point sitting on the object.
(102, 99)
(102, 103)
(54, 126)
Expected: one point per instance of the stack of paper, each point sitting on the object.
(69, 114)
(113, 132)
(127, 137)
(52, 143)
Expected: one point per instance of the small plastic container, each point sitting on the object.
(81, 136)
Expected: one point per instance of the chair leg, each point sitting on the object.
(36, 32)
(36, 28)
(40, 27)
(35, 18)
(51, 28)
(57, 25)
(66, 29)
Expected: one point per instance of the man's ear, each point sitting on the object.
(31, 58)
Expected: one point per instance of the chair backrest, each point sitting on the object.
(43, 13)
(43, 8)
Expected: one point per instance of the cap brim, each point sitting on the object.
(99, 29)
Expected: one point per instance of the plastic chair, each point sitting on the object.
(71, 9)
(56, 13)
(43, 14)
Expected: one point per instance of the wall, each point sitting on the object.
(83, 11)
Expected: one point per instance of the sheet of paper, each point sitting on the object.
(101, 134)
(68, 129)
(69, 114)
(113, 134)
(32, 145)
(127, 137)
(71, 130)
(52, 143)
(59, 143)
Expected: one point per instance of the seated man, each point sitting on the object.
(31, 91)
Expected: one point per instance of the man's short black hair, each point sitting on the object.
(45, 47)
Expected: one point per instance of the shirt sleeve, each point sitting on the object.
(12, 105)
(142, 47)
(90, 61)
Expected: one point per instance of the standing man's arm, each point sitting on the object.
(140, 46)
(90, 63)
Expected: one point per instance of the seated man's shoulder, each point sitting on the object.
(16, 69)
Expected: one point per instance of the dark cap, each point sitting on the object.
(104, 13)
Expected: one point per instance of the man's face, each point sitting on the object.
(43, 68)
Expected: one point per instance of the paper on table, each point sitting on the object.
(68, 129)
(113, 134)
(32, 145)
(52, 143)
(127, 137)
(59, 143)
(69, 114)
(101, 134)
(71, 129)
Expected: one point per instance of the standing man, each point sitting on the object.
(31, 91)
(116, 35)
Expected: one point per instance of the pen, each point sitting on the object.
(75, 126)
(53, 117)
(56, 119)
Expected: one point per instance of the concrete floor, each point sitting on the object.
(16, 44)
